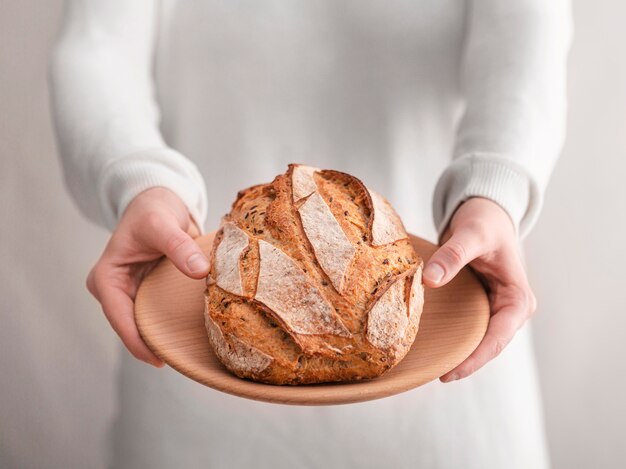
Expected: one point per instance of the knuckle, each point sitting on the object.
(134, 345)
(153, 220)
(97, 277)
(499, 345)
(100, 276)
(456, 252)
(518, 297)
(115, 325)
(135, 351)
(176, 241)
(525, 299)
(477, 230)
(125, 332)
(90, 283)
(468, 370)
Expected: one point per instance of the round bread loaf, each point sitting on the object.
(313, 279)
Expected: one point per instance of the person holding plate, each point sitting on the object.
(452, 109)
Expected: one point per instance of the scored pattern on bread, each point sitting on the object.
(302, 181)
(287, 291)
(330, 244)
(313, 279)
(388, 318)
(386, 224)
(227, 273)
(416, 298)
(238, 356)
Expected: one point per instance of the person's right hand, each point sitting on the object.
(155, 223)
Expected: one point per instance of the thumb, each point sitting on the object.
(182, 250)
(463, 247)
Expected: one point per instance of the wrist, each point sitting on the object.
(124, 178)
(482, 215)
(489, 176)
(157, 201)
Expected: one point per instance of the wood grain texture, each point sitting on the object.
(169, 315)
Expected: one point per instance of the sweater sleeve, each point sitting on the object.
(512, 129)
(105, 113)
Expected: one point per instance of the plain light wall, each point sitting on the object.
(577, 253)
(58, 355)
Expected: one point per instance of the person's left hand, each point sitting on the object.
(482, 235)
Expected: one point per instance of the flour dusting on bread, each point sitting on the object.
(286, 290)
(331, 246)
(302, 181)
(387, 320)
(386, 224)
(227, 273)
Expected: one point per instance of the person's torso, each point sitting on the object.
(368, 87)
(363, 86)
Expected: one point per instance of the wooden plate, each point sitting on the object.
(169, 314)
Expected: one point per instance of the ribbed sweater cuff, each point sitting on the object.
(492, 177)
(126, 177)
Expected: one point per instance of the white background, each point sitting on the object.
(58, 355)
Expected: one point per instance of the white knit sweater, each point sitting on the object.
(495, 71)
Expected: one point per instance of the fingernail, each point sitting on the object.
(434, 272)
(452, 377)
(197, 263)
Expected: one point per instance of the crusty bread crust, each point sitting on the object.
(239, 357)
(322, 296)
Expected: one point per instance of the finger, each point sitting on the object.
(502, 327)
(91, 283)
(118, 308)
(167, 237)
(463, 247)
